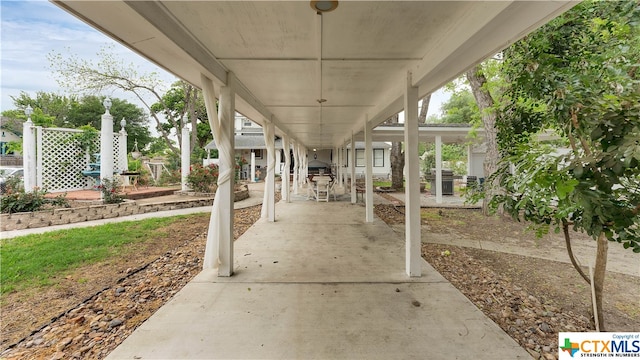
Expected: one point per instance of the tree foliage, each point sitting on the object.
(578, 75)
(183, 101)
(83, 76)
(168, 108)
(89, 109)
(460, 108)
(50, 109)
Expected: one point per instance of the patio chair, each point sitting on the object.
(332, 188)
(322, 191)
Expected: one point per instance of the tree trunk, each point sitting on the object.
(574, 262)
(424, 108)
(397, 165)
(397, 155)
(192, 100)
(485, 102)
(598, 276)
(397, 159)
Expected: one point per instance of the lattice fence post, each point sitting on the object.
(40, 154)
(29, 155)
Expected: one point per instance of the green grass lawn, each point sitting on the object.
(381, 183)
(33, 260)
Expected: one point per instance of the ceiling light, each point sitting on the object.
(324, 6)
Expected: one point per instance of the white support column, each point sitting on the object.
(268, 203)
(412, 190)
(296, 167)
(29, 152)
(339, 167)
(438, 169)
(185, 155)
(278, 163)
(219, 249)
(122, 151)
(286, 194)
(352, 164)
(305, 168)
(106, 142)
(300, 165)
(344, 164)
(368, 155)
(253, 166)
(469, 157)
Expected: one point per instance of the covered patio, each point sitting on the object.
(319, 283)
(318, 74)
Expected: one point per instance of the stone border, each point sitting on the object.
(36, 219)
(239, 195)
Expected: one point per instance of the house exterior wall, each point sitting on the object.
(476, 161)
(243, 123)
(7, 137)
(382, 162)
(324, 155)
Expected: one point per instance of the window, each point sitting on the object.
(360, 158)
(246, 122)
(258, 153)
(378, 157)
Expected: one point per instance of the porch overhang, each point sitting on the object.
(317, 77)
(449, 133)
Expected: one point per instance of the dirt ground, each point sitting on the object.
(530, 298)
(23, 313)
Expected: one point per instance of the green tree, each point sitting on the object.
(578, 74)
(38, 117)
(451, 153)
(183, 101)
(461, 108)
(89, 109)
(50, 109)
(157, 146)
(480, 86)
(83, 76)
(56, 107)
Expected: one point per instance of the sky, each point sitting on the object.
(30, 30)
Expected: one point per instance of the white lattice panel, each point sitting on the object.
(119, 160)
(63, 160)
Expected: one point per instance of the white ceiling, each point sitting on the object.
(287, 57)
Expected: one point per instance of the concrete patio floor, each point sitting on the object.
(319, 283)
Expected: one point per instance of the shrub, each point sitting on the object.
(203, 178)
(170, 178)
(110, 189)
(20, 201)
(12, 184)
(145, 178)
